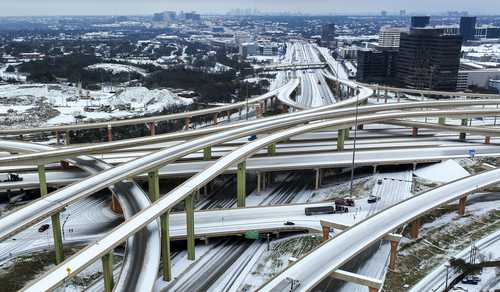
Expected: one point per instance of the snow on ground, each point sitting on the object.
(446, 171)
(16, 100)
(116, 68)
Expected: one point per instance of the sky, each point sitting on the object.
(143, 7)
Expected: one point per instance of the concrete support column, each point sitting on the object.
(326, 233)
(414, 132)
(152, 128)
(259, 182)
(207, 153)
(393, 255)
(190, 227)
(372, 289)
(58, 138)
(153, 185)
(442, 120)
(463, 136)
(110, 133)
(56, 221)
(340, 140)
(317, 183)
(165, 247)
(347, 133)
(414, 228)
(107, 271)
(487, 140)
(461, 206)
(360, 127)
(67, 138)
(215, 118)
(241, 184)
(228, 113)
(115, 205)
(271, 149)
(187, 121)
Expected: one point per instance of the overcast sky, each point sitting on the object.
(135, 7)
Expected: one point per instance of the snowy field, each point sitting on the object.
(63, 103)
(116, 68)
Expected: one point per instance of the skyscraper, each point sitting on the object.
(420, 21)
(390, 36)
(468, 28)
(427, 59)
(328, 33)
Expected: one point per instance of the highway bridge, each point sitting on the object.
(316, 110)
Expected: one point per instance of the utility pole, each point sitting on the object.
(354, 145)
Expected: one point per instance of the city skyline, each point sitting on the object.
(132, 7)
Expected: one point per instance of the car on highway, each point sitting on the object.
(311, 211)
(10, 177)
(43, 228)
(379, 181)
(471, 280)
(373, 199)
(289, 223)
(252, 138)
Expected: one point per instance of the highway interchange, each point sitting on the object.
(315, 114)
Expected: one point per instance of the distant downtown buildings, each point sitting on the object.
(421, 56)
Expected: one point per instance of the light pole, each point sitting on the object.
(354, 144)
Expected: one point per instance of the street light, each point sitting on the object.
(355, 140)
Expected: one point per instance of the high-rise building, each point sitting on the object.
(468, 28)
(390, 36)
(428, 59)
(420, 21)
(376, 66)
(328, 32)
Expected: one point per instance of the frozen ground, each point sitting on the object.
(116, 68)
(53, 104)
(443, 172)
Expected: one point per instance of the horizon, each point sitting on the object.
(35, 8)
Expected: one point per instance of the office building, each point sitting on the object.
(390, 36)
(477, 78)
(420, 21)
(376, 66)
(428, 59)
(328, 33)
(468, 28)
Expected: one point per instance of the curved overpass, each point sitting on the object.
(311, 269)
(122, 232)
(143, 249)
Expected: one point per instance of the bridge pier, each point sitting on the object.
(442, 120)
(152, 128)
(414, 132)
(259, 182)
(215, 118)
(461, 205)
(67, 137)
(115, 205)
(347, 133)
(271, 149)
(207, 153)
(317, 183)
(55, 218)
(414, 228)
(326, 232)
(463, 135)
(58, 138)
(107, 271)
(394, 255)
(340, 140)
(487, 140)
(190, 227)
(241, 185)
(187, 121)
(110, 133)
(154, 195)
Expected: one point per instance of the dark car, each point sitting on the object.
(373, 199)
(471, 280)
(252, 138)
(379, 181)
(43, 228)
(289, 223)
